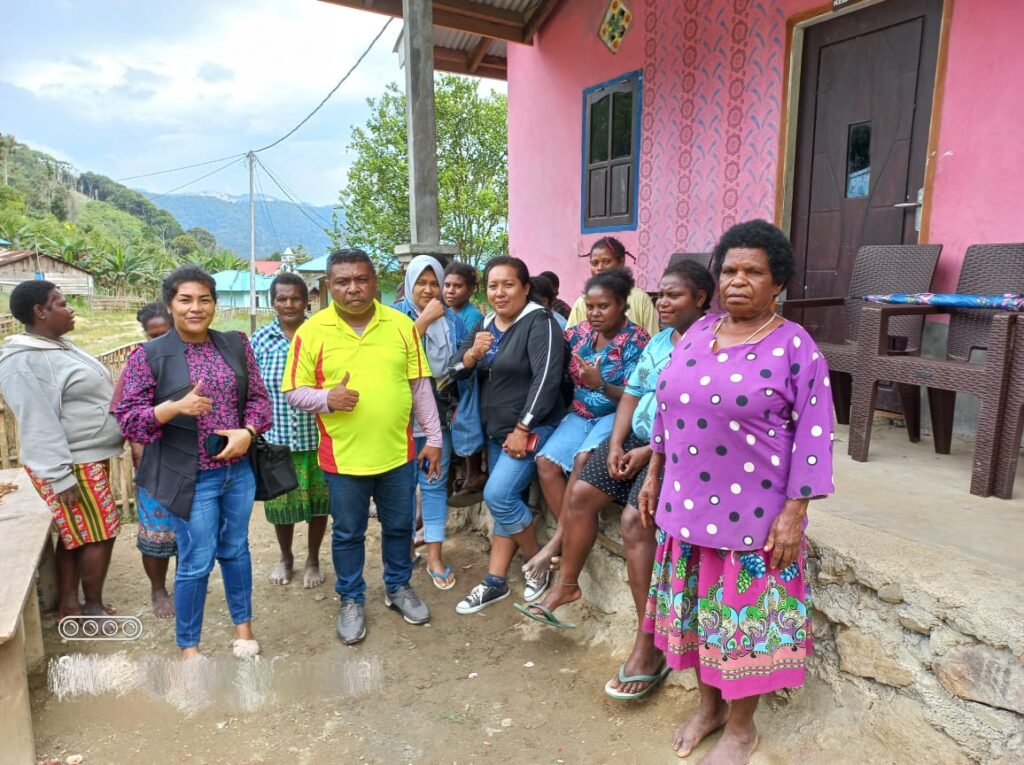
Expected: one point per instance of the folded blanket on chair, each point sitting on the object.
(1011, 301)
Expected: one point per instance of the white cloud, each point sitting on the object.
(265, 62)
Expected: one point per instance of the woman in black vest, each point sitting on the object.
(195, 399)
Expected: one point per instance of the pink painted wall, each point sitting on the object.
(545, 92)
(712, 104)
(976, 196)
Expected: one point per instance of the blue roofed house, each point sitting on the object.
(233, 289)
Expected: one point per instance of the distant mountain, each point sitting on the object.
(279, 224)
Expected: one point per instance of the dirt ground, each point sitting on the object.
(488, 688)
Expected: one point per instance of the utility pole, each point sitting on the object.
(418, 49)
(252, 243)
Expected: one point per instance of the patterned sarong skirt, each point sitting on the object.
(94, 517)
(744, 627)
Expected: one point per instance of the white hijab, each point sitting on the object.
(437, 341)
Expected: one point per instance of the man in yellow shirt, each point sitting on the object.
(359, 366)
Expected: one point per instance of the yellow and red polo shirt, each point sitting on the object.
(376, 436)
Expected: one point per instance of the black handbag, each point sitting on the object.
(273, 468)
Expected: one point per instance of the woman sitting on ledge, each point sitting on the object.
(616, 472)
(743, 435)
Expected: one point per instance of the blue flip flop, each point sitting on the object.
(546, 616)
(438, 579)
(653, 681)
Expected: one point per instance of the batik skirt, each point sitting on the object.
(745, 627)
(94, 517)
(156, 532)
(309, 499)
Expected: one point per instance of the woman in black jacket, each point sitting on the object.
(518, 355)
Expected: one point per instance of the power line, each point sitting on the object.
(177, 169)
(291, 193)
(234, 160)
(321, 224)
(266, 209)
(306, 119)
(287, 135)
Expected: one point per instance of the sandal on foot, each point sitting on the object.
(546, 616)
(440, 579)
(653, 681)
(244, 649)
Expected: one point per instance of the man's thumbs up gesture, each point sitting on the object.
(341, 398)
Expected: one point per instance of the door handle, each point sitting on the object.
(915, 206)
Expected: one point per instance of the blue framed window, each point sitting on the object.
(611, 154)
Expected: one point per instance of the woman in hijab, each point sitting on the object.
(441, 331)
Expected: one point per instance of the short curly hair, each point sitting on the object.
(758, 235)
(26, 296)
(618, 281)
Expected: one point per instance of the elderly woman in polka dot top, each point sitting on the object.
(741, 441)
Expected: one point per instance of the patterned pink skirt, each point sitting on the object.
(744, 627)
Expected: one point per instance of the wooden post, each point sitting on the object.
(16, 721)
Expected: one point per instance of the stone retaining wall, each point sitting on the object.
(921, 649)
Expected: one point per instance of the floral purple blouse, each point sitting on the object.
(743, 430)
(135, 411)
(616, 359)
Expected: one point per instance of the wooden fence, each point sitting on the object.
(122, 472)
(9, 325)
(108, 303)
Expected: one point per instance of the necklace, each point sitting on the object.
(749, 337)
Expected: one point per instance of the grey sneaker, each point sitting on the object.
(535, 587)
(351, 622)
(480, 597)
(408, 604)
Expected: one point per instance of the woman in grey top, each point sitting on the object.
(60, 396)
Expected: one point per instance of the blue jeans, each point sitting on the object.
(507, 480)
(434, 493)
(218, 528)
(394, 492)
(574, 435)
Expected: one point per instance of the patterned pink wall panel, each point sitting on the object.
(713, 88)
(711, 111)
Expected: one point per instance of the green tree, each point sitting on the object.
(184, 245)
(220, 260)
(206, 240)
(472, 138)
(12, 200)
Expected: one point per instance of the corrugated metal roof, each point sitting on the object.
(13, 256)
(450, 38)
(519, 6)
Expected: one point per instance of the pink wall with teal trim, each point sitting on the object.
(712, 105)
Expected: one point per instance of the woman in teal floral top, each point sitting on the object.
(603, 351)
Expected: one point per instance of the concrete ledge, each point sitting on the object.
(919, 649)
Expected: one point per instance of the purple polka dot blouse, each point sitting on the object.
(742, 431)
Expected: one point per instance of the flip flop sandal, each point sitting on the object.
(546, 616)
(439, 579)
(653, 681)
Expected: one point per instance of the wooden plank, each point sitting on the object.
(537, 18)
(16, 720)
(490, 13)
(477, 54)
(24, 528)
(450, 14)
(457, 62)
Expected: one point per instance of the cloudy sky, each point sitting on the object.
(125, 87)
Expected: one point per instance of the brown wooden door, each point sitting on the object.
(862, 135)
